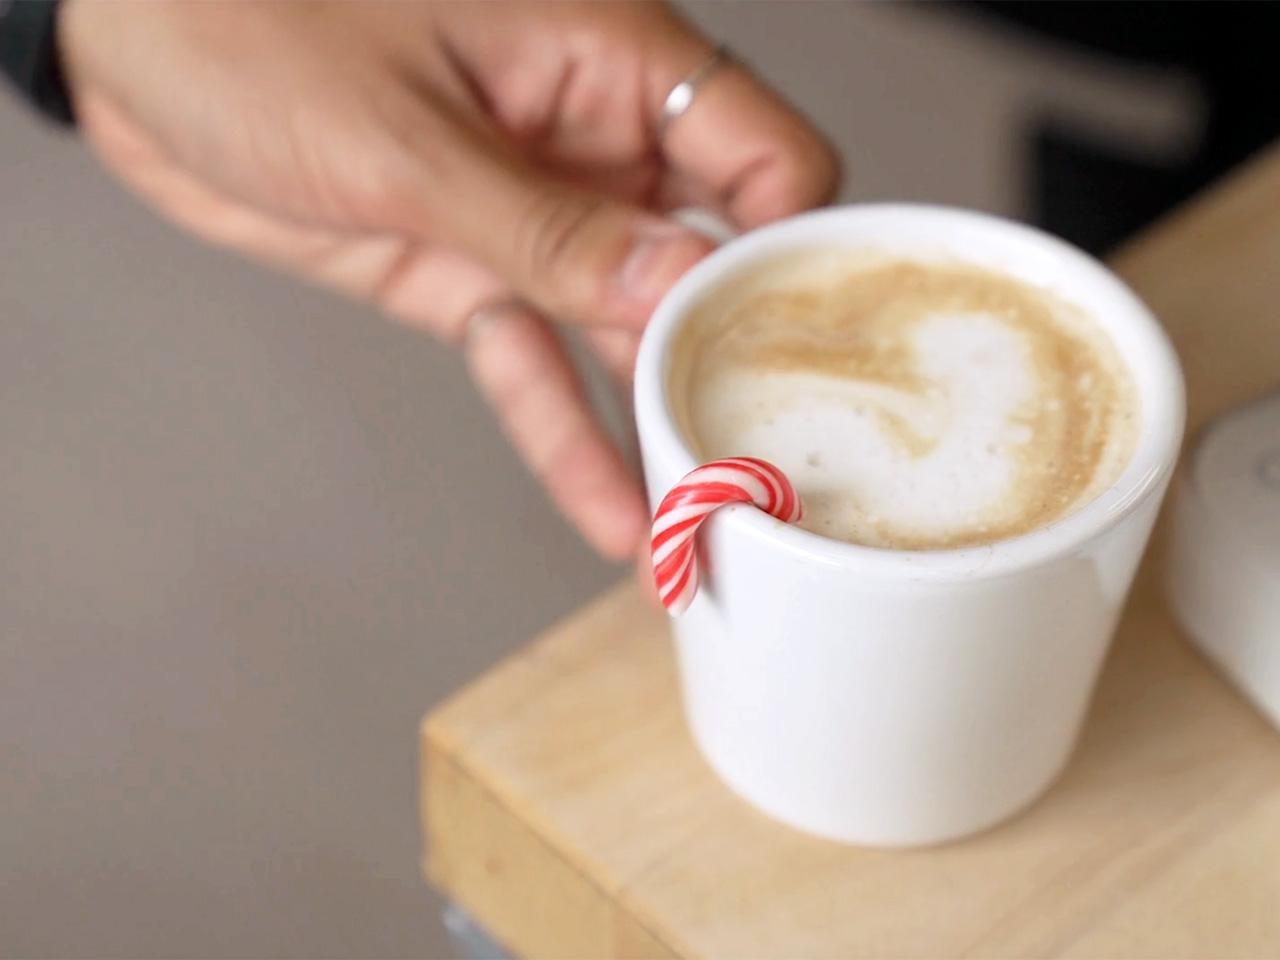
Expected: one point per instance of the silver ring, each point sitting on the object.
(681, 97)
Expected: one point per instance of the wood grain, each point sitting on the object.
(566, 807)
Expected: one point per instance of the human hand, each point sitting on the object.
(439, 159)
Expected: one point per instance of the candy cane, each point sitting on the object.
(712, 485)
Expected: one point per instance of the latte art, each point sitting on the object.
(914, 405)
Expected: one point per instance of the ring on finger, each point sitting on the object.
(682, 95)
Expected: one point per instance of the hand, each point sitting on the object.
(436, 158)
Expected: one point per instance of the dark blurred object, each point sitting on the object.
(29, 56)
(1096, 194)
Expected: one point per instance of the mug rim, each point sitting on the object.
(1145, 474)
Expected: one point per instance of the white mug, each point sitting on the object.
(894, 697)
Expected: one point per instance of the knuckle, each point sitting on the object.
(550, 229)
(389, 186)
(598, 31)
(388, 157)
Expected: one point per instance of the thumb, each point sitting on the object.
(591, 259)
(579, 256)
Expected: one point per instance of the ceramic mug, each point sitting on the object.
(896, 697)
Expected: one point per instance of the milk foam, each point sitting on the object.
(914, 406)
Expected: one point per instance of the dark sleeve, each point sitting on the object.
(29, 56)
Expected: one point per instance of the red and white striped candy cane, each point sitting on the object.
(712, 485)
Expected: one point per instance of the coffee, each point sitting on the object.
(915, 404)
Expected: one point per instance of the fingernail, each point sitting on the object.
(660, 254)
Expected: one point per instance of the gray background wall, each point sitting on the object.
(249, 533)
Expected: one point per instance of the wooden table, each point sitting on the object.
(565, 807)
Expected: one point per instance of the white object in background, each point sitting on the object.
(890, 697)
(1224, 562)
